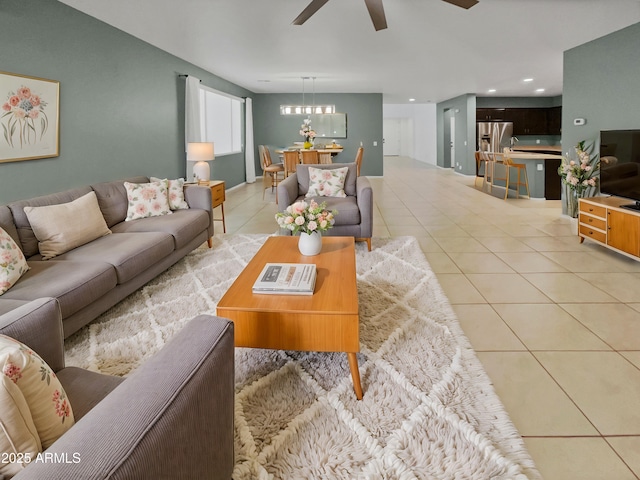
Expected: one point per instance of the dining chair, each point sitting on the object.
(324, 158)
(359, 155)
(309, 156)
(519, 167)
(270, 171)
(291, 160)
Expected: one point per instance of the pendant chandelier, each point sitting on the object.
(305, 109)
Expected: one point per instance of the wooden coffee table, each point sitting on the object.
(326, 321)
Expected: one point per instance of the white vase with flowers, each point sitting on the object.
(309, 220)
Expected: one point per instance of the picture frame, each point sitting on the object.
(29, 117)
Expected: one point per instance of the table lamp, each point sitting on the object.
(200, 152)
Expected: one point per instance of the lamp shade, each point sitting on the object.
(200, 152)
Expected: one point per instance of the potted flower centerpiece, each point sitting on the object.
(309, 220)
(578, 174)
(307, 133)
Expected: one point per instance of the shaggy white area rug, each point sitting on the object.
(429, 410)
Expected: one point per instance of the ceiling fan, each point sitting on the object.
(376, 11)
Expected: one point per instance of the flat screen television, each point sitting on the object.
(620, 164)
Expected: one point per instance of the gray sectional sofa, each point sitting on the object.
(171, 419)
(91, 278)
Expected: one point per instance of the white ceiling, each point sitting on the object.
(432, 51)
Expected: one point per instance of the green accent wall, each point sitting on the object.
(364, 125)
(121, 101)
(602, 85)
(464, 109)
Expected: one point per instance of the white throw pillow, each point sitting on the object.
(327, 182)
(176, 192)
(50, 409)
(19, 440)
(147, 200)
(12, 262)
(63, 227)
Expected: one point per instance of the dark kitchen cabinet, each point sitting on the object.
(490, 114)
(554, 121)
(517, 116)
(526, 121)
(530, 121)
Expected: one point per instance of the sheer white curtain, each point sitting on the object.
(192, 127)
(249, 156)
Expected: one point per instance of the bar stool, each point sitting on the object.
(489, 159)
(479, 159)
(519, 167)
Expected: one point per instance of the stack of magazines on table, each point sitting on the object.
(286, 279)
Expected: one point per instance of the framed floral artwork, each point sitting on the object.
(29, 117)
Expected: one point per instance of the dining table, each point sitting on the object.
(327, 149)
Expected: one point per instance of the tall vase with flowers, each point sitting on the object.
(309, 220)
(308, 133)
(579, 173)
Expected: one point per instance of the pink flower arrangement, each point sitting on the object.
(578, 173)
(19, 121)
(306, 131)
(306, 217)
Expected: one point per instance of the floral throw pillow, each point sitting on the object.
(19, 439)
(147, 200)
(176, 193)
(327, 183)
(12, 262)
(43, 392)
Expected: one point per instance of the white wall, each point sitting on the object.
(421, 142)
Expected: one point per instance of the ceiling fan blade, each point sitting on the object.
(376, 12)
(462, 3)
(312, 8)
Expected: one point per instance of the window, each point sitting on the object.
(221, 121)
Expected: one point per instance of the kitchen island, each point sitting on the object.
(556, 149)
(542, 172)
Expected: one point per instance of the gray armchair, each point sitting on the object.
(355, 211)
(170, 419)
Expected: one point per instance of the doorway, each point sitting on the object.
(453, 141)
(391, 132)
(449, 123)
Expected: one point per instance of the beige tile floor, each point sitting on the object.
(555, 323)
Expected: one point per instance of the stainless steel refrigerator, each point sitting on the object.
(494, 136)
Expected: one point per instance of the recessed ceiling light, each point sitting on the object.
(412, 99)
(539, 90)
(528, 80)
(492, 90)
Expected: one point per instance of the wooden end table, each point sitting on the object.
(217, 199)
(326, 321)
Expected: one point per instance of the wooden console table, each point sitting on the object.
(605, 221)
